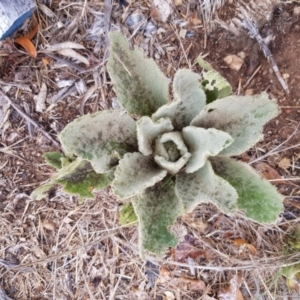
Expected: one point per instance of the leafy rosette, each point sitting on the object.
(178, 153)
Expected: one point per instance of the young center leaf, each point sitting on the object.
(256, 196)
(148, 131)
(189, 100)
(140, 85)
(203, 143)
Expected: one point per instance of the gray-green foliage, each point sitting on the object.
(176, 155)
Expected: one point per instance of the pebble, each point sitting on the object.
(285, 76)
(296, 11)
(242, 55)
(234, 62)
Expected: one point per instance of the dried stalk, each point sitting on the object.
(254, 34)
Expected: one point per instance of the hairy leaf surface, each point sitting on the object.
(157, 208)
(41, 192)
(80, 178)
(256, 197)
(204, 186)
(171, 153)
(189, 100)
(135, 173)
(53, 159)
(148, 131)
(127, 214)
(215, 85)
(140, 85)
(203, 143)
(102, 138)
(242, 117)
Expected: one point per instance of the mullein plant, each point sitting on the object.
(166, 154)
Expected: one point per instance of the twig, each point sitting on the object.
(107, 16)
(66, 62)
(3, 295)
(252, 76)
(273, 151)
(28, 119)
(254, 34)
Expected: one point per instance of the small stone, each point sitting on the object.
(296, 11)
(242, 55)
(285, 76)
(178, 2)
(234, 62)
(182, 33)
(284, 163)
(249, 92)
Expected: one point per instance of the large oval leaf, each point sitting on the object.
(204, 186)
(157, 208)
(102, 138)
(140, 85)
(256, 197)
(242, 117)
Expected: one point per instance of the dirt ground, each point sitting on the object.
(58, 249)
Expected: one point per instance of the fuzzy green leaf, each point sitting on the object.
(292, 273)
(171, 154)
(189, 100)
(140, 85)
(127, 214)
(80, 178)
(257, 197)
(148, 131)
(243, 117)
(215, 86)
(204, 186)
(102, 138)
(41, 192)
(203, 143)
(53, 159)
(135, 173)
(157, 208)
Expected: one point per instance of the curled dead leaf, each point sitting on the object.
(188, 249)
(284, 163)
(232, 292)
(250, 247)
(25, 41)
(49, 225)
(75, 55)
(27, 45)
(34, 29)
(62, 46)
